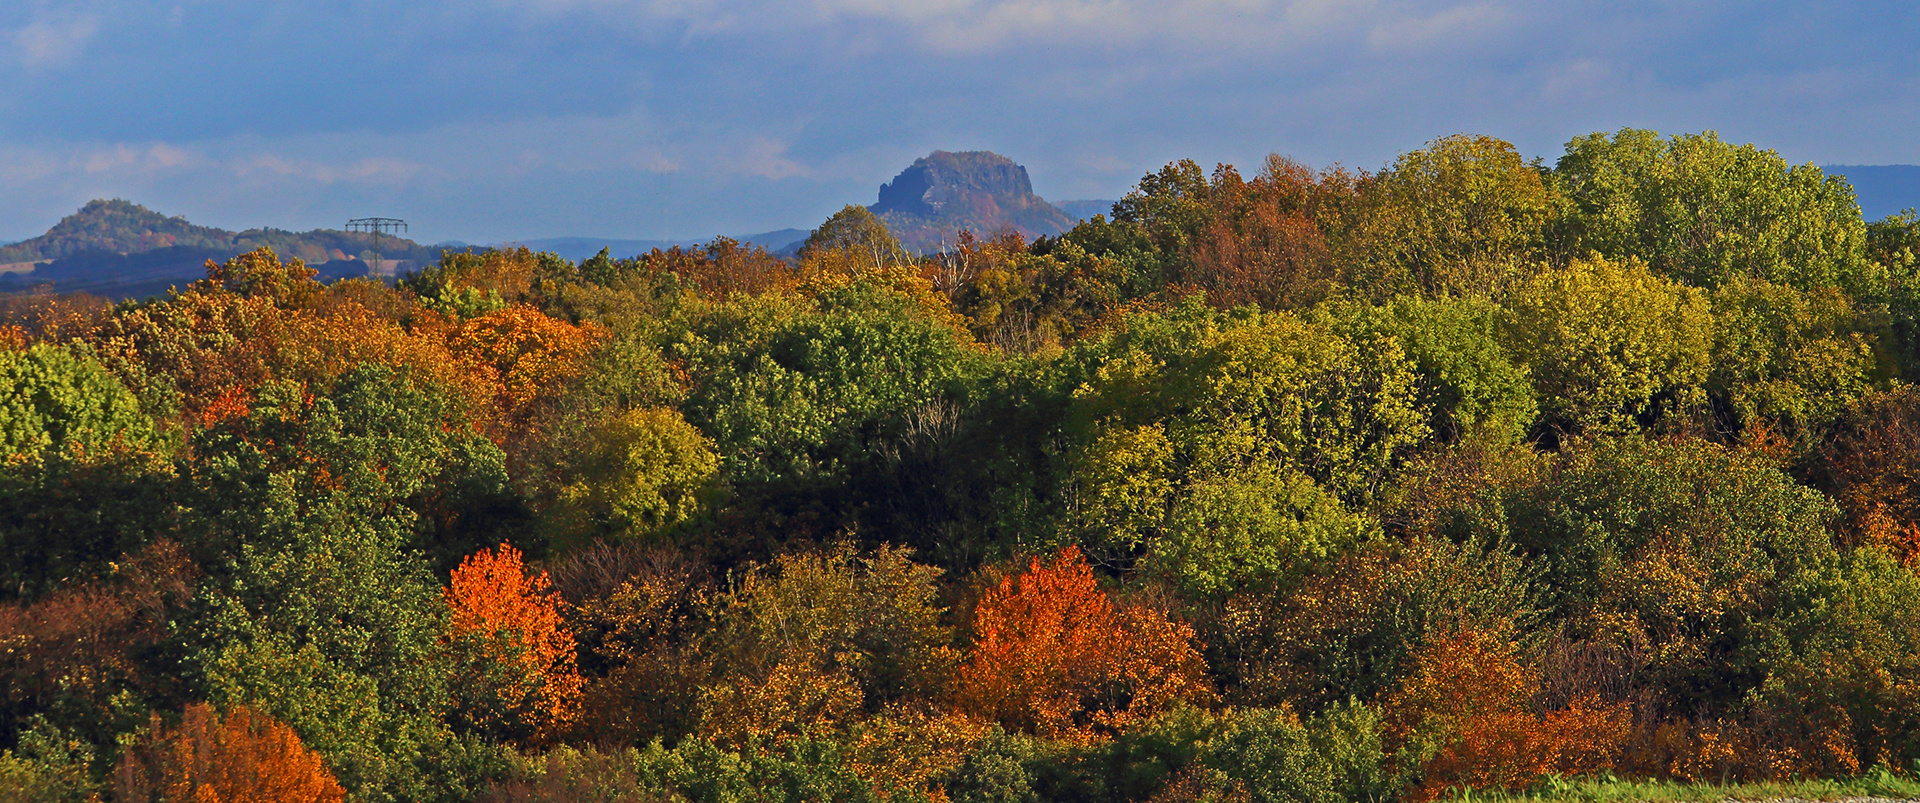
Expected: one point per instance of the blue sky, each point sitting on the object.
(487, 120)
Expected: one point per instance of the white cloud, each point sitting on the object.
(767, 158)
(981, 26)
(377, 171)
(126, 159)
(1457, 26)
(139, 163)
(53, 43)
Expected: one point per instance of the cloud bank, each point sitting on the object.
(485, 120)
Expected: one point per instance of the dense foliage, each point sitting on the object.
(1471, 473)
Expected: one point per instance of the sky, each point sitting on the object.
(495, 120)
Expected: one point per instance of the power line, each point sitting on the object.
(377, 226)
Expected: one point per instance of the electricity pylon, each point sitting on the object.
(377, 226)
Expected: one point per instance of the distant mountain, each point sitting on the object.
(1083, 210)
(121, 249)
(1883, 189)
(779, 241)
(943, 192)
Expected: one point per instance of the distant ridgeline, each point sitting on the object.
(984, 192)
(120, 249)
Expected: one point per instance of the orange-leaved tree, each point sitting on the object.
(1464, 718)
(205, 352)
(526, 355)
(517, 677)
(1054, 654)
(243, 757)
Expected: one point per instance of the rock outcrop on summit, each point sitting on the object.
(941, 193)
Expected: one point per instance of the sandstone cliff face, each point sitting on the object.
(938, 195)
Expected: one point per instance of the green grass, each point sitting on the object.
(1606, 789)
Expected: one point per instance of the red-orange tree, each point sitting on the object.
(1265, 241)
(244, 757)
(518, 673)
(1466, 711)
(1053, 654)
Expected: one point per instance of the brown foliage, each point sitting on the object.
(723, 268)
(1352, 630)
(243, 757)
(524, 355)
(821, 639)
(907, 750)
(636, 611)
(1783, 746)
(210, 348)
(1053, 654)
(508, 620)
(796, 697)
(508, 272)
(36, 317)
(1870, 465)
(1266, 242)
(261, 274)
(78, 647)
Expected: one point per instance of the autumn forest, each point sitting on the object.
(1468, 475)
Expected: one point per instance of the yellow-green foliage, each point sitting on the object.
(55, 397)
(1607, 341)
(1787, 356)
(1223, 446)
(1705, 211)
(642, 470)
(1465, 215)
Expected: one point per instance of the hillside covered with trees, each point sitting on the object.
(1273, 485)
(125, 250)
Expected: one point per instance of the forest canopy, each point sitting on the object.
(1297, 484)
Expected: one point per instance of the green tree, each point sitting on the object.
(1467, 379)
(1784, 358)
(1199, 430)
(83, 474)
(321, 609)
(49, 766)
(796, 391)
(59, 398)
(1673, 549)
(1893, 246)
(1703, 211)
(858, 236)
(1276, 758)
(639, 472)
(1464, 215)
(1839, 661)
(1165, 213)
